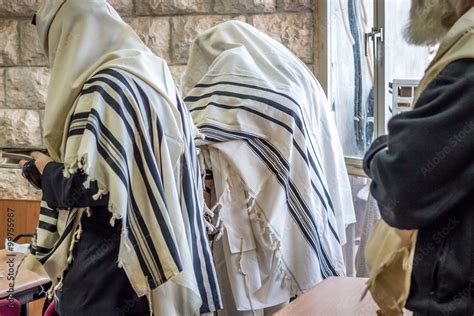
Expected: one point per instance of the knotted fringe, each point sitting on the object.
(245, 276)
(75, 238)
(70, 257)
(213, 223)
(82, 163)
(271, 241)
(198, 135)
(70, 168)
(99, 194)
(214, 219)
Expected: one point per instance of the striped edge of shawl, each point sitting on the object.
(31, 261)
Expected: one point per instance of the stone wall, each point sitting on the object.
(166, 26)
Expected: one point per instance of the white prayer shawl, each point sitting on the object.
(280, 179)
(113, 112)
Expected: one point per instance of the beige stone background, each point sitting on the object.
(166, 26)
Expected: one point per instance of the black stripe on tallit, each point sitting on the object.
(115, 165)
(311, 235)
(201, 85)
(119, 110)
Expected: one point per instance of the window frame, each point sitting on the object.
(322, 55)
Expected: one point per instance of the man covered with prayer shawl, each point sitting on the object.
(281, 198)
(120, 229)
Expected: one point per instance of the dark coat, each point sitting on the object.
(424, 180)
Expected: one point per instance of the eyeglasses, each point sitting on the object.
(33, 21)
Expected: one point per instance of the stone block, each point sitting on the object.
(249, 6)
(19, 7)
(20, 127)
(163, 7)
(123, 7)
(185, 28)
(177, 72)
(294, 30)
(155, 33)
(13, 185)
(9, 46)
(2, 87)
(26, 87)
(32, 52)
(294, 5)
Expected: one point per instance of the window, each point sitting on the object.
(365, 60)
(351, 69)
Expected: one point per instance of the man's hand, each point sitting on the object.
(41, 160)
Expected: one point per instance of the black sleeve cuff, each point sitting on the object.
(61, 192)
(377, 145)
(52, 171)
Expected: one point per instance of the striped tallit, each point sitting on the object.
(127, 129)
(265, 122)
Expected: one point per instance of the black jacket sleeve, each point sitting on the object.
(428, 166)
(380, 143)
(62, 192)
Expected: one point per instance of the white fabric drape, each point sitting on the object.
(282, 188)
(113, 112)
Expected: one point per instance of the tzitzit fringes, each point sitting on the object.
(100, 192)
(271, 240)
(70, 257)
(75, 238)
(245, 276)
(213, 220)
(82, 163)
